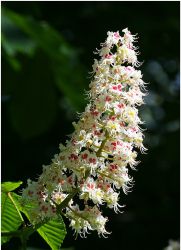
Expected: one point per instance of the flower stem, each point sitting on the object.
(66, 201)
(98, 153)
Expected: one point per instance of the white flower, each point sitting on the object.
(96, 159)
(58, 197)
(90, 191)
(113, 38)
(173, 245)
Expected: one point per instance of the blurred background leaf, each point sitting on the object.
(33, 106)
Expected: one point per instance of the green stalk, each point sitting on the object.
(98, 153)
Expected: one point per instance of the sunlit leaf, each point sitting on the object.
(11, 218)
(53, 233)
(10, 186)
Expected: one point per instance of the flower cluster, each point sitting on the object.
(173, 245)
(92, 167)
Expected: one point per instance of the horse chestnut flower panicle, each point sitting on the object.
(94, 164)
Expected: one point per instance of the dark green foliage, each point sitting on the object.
(41, 62)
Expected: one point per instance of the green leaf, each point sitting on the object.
(45, 36)
(67, 70)
(10, 186)
(24, 208)
(53, 233)
(12, 43)
(11, 218)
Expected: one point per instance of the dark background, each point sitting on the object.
(47, 52)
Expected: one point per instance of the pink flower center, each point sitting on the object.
(121, 105)
(90, 185)
(73, 157)
(92, 160)
(108, 99)
(108, 56)
(94, 112)
(116, 34)
(84, 156)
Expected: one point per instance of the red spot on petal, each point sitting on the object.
(108, 99)
(73, 157)
(94, 112)
(115, 87)
(84, 156)
(119, 87)
(92, 160)
(108, 56)
(112, 118)
(96, 132)
(121, 105)
(122, 124)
